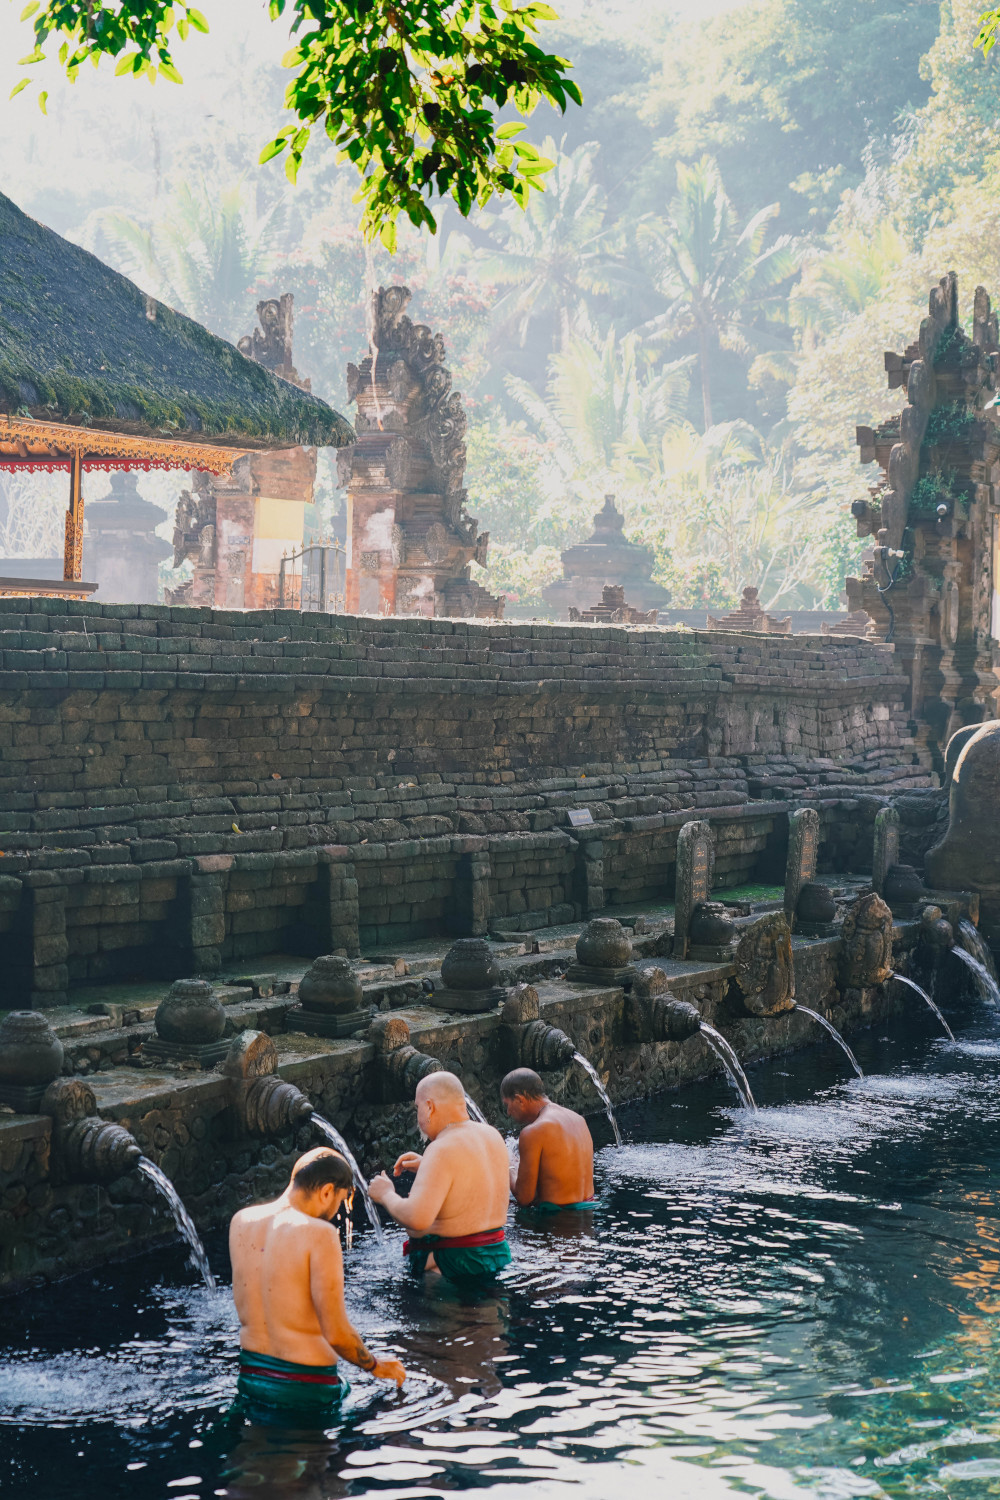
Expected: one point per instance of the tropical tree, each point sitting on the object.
(204, 254)
(724, 509)
(558, 258)
(837, 286)
(603, 403)
(409, 93)
(721, 281)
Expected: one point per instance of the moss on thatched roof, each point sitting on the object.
(81, 344)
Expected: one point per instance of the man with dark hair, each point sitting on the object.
(456, 1210)
(288, 1286)
(555, 1169)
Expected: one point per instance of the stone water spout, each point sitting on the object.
(653, 1014)
(85, 1148)
(400, 1066)
(531, 1042)
(262, 1103)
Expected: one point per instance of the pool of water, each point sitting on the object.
(801, 1302)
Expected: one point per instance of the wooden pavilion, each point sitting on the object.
(95, 374)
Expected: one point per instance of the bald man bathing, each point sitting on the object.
(456, 1211)
(288, 1286)
(555, 1167)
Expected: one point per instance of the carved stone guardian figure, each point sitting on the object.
(866, 954)
(764, 968)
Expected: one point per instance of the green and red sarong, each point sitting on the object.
(461, 1257)
(271, 1391)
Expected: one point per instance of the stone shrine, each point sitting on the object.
(612, 610)
(606, 557)
(122, 550)
(235, 529)
(751, 615)
(411, 540)
(935, 502)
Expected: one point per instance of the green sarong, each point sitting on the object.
(560, 1208)
(465, 1258)
(271, 1391)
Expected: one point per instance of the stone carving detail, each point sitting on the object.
(693, 878)
(409, 464)
(271, 344)
(866, 952)
(803, 853)
(764, 969)
(933, 505)
(886, 846)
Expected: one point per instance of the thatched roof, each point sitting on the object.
(83, 345)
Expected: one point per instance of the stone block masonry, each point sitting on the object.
(182, 788)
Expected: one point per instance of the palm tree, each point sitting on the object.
(203, 254)
(556, 257)
(603, 404)
(837, 286)
(720, 279)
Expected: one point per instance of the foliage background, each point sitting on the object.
(748, 209)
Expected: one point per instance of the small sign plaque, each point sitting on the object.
(580, 817)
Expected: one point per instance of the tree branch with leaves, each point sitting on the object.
(408, 90)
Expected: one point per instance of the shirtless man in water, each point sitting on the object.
(556, 1154)
(288, 1286)
(456, 1210)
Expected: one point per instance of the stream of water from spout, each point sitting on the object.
(475, 1113)
(182, 1219)
(829, 1027)
(973, 942)
(591, 1073)
(730, 1063)
(985, 983)
(924, 995)
(338, 1143)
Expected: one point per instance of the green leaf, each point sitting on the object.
(18, 87)
(169, 71)
(43, 102)
(272, 149)
(506, 131)
(387, 234)
(200, 24)
(29, 10)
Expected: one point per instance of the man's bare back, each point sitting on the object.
(461, 1187)
(288, 1281)
(556, 1152)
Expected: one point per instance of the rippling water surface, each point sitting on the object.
(800, 1302)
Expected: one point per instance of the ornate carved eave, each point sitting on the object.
(29, 444)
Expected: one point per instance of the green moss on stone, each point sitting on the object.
(81, 344)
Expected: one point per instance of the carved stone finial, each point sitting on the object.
(331, 1000)
(31, 1056)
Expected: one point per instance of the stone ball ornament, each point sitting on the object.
(31, 1055)
(330, 985)
(191, 1012)
(815, 903)
(711, 925)
(469, 965)
(604, 944)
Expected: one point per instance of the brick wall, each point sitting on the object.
(184, 787)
